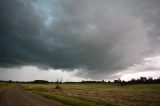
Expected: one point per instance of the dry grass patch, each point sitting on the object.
(131, 95)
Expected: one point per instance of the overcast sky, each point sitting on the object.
(78, 40)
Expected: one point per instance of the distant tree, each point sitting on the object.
(58, 82)
(10, 81)
(117, 81)
(40, 82)
(103, 81)
(122, 83)
(109, 81)
(150, 80)
(143, 79)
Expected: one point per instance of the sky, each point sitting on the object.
(75, 40)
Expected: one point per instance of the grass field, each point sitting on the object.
(3, 84)
(100, 94)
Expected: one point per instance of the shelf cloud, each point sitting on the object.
(99, 38)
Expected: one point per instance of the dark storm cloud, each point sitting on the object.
(97, 37)
(20, 30)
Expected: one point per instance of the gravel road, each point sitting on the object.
(16, 96)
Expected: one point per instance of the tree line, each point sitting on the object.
(141, 80)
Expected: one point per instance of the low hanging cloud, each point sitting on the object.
(97, 37)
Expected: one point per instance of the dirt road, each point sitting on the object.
(16, 96)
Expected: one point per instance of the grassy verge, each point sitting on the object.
(38, 89)
(3, 84)
(70, 101)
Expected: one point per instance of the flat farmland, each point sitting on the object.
(99, 94)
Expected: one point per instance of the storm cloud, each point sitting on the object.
(97, 37)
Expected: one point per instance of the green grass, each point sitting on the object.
(38, 89)
(3, 84)
(71, 101)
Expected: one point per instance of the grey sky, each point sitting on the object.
(97, 37)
